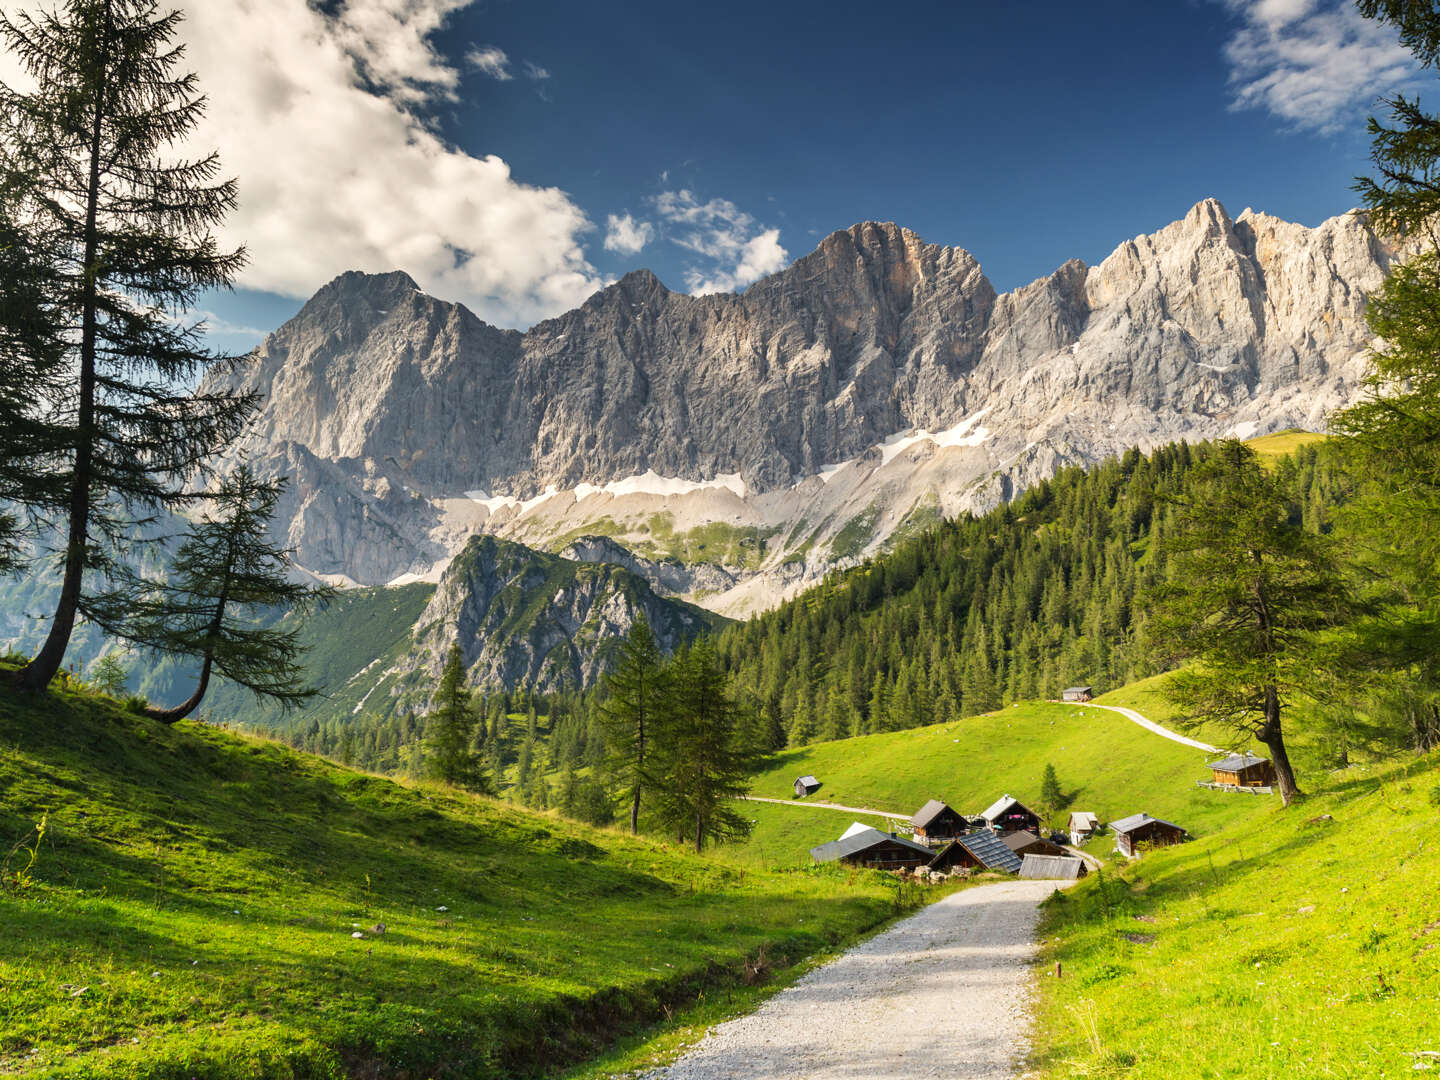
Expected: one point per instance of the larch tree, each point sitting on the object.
(224, 576)
(628, 716)
(1249, 589)
(127, 222)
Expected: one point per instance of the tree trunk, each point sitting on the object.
(635, 811)
(36, 675)
(1273, 738)
(190, 704)
(699, 833)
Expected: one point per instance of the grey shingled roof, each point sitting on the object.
(928, 813)
(1052, 867)
(1079, 689)
(1236, 762)
(1134, 821)
(1084, 819)
(808, 781)
(990, 850)
(861, 841)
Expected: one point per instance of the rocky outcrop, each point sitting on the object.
(523, 618)
(876, 375)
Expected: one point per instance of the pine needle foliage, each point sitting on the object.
(630, 713)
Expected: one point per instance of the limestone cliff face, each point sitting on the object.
(412, 425)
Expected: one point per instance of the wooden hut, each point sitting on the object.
(1027, 843)
(1077, 693)
(1053, 867)
(806, 785)
(1083, 825)
(981, 850)
(1243, 770)
(1008, 814)
(871, 847)
(1139, 829)
(937, 823)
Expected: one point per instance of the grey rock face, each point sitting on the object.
(391, 405)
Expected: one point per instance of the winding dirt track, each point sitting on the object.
(944, 993)
(1148, 725)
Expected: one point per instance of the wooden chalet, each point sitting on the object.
(873, 848)
(1077, 693)
(980, 850)
(1008, 814)
(1243, 770)
(937, 823)
(1082, 826)
(1139, 829)
(1027, 843)
(1053, 867)
(806, 785)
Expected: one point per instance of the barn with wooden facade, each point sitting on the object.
(981, 850)
(1077, 693)
(937, 823)
(806, 785)
(1082, 826)
(1139, 829)
(873, 848)
(1243, 770)
(1027, 843)
(1008, 814)
(1053, 868)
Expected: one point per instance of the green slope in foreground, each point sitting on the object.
(1105, 764)
(205, 905)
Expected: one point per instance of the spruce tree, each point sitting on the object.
(637, 689)
(448, 757)
(1052, 798)
(224, 576)
(127, 224)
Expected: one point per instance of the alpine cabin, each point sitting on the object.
(937, 823)
(981, 850)
(1008, 814)
(1027, 843)
(1139, 829)
(1082, 826)
(873, 848)
(1243, 770)
(806, 785)
(1077, 694)
(1052, 868)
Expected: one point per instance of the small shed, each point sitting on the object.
(937, 822)
(1243, 770)
(1027, 843)
(1008, 814)
(1053, 867)
(806, 785)
(871, 847)
(1077, 693)
(1137, 829)
(981, 850)
(1083, 825)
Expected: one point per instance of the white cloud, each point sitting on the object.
(323, 121)
(535, 71)
(724, 234)
(1315, 64)
(625, 235)
(491, 61)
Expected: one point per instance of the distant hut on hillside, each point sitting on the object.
(806, 785)
(1077, 693)
(1137, 829)
(1243, 770)
(981, 850)
(1027, 843)
(1008, 814)
(873, 848)
(1083, 825)
(935, 822)
(1052, 867)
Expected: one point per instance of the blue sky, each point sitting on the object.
(517, 154)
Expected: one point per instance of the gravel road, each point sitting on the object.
(945, 993)
(1148, 725)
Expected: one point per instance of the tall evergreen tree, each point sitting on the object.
(1250, 588)
(127, 225)
(225, 573)
(636, 688)
(448, 727)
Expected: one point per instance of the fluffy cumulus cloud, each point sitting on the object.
(736, 250)
(625, 235)
(324, 121)
(1314, 64)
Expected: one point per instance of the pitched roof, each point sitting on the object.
(1000, 805)
(1052, 867)
(990, 851)
(1079, 689)
(1017, 840)
(928, 813)
(1134, 821)
(1236, 762)
(857, 842)
(1083, 819)
(808, 781)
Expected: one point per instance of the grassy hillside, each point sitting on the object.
(1283, 443)
(1297, 944)
(1105, 763)
(201, 904)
